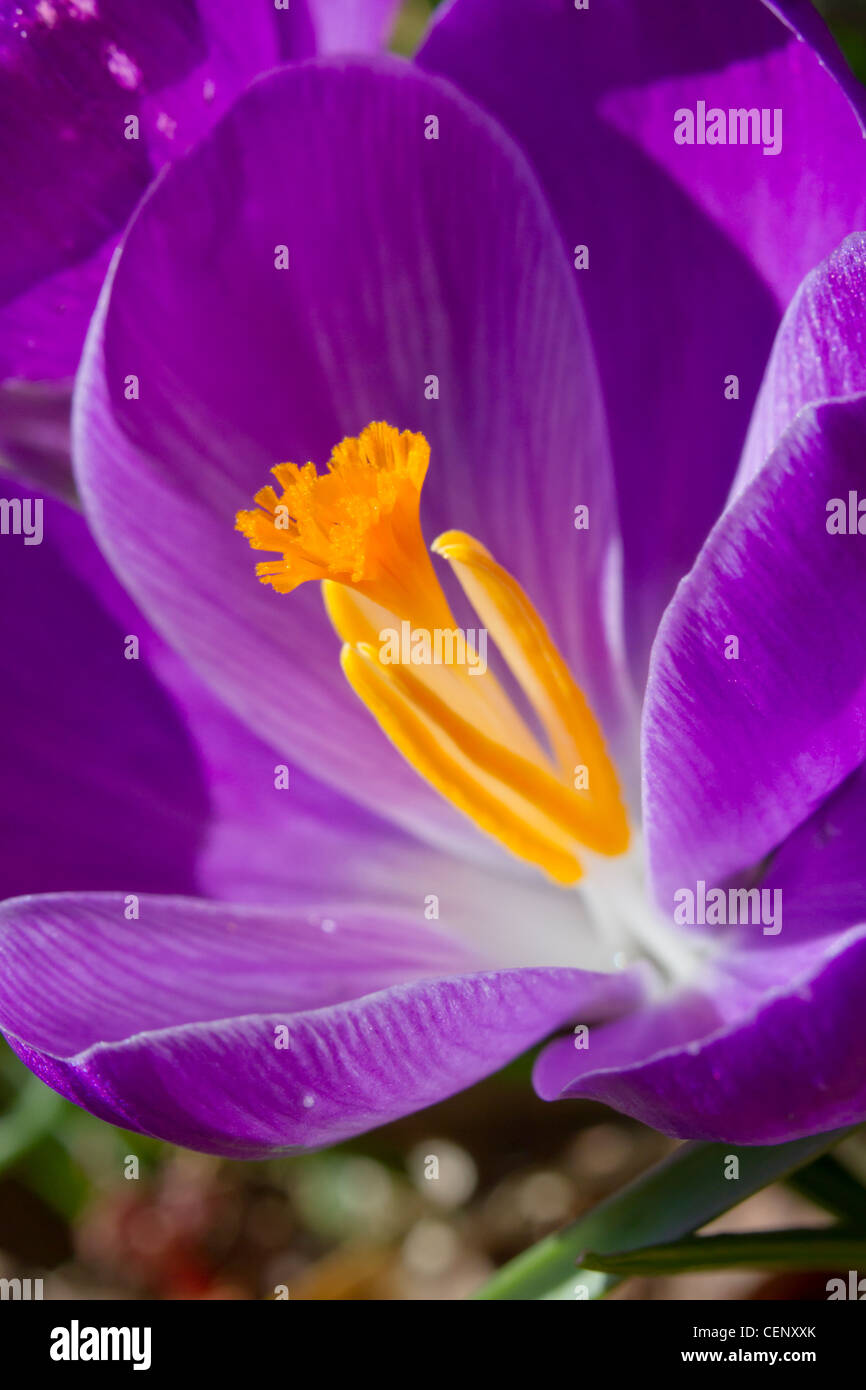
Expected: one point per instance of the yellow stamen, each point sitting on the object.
(481, 700)
(469, 787)
(357, 528)
(546, 681)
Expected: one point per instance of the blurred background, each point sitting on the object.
(423, 1209)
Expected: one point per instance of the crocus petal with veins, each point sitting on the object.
(160, 1025)
(742, 743)
(819, 353)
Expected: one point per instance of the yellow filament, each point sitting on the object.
(480, 699)
(532, 657)
(568, 811)
(461, 783)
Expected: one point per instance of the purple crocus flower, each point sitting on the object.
(274, 932)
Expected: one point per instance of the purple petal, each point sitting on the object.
(69, 175)
(434, 275)
(764, 1051)
(42, 329)
(169, 1025)
(73, 74)
(83, 803)
(819, 868)
(126, 774)
(740, 750)
(818, 353)
(692, 249)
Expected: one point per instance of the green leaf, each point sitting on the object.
(846, 21)
(836, 1248)
(685, 1191)
(830, 1185)
(32, 1146)
(31, 1118)
(54, 1175)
